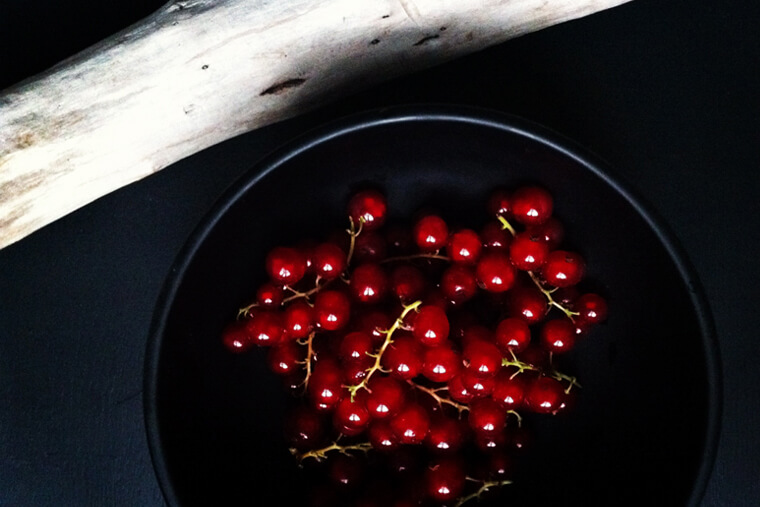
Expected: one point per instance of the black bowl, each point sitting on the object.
(645, 428)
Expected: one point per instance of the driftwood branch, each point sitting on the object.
(198, 72)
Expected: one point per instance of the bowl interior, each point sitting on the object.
(643, 425)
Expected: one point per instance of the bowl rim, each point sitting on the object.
(455, 114)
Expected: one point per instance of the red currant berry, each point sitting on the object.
(446, 435)
(265, 328)
(464, 246)
(386, 397)
(368, 207)
(286, 265)
(351, 417)
(495, 237)
(445, 480)
(483, 358)
(558, 335)
(382, 437)
(495, 272)
(370, 247)
(487, 416)
(408, 283)
(509, 390)
(536, 356)
(430, 325)
(411, 424)
(532, 205)
(552, 232)
(325, 388)
(345, 471)
(355, 346)
(332, 310)
(528, 304)
(528, 252)
(478, 385)
(500, 203)
(375, 323)
(458, 284)
(285, 358)
(431, 233)
(563, 268)
(475, 332)
(491, 442)
(440, 364)
(270, 295)
(328, 261)
(298, 319)
(235, 337)
(403, 358)
(512, 334)
(304, 428)
(591, 308)
(457, 390)
(354, 372)
(544, 395)
(369, 283)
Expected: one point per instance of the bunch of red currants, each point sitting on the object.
(422, 340)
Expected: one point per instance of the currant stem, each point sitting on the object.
(320, 454)
(484, 486)
(244, 312)
(309, 357)
(398, 324)
(306, 295)
(572, 381)
(440, 399)
(520, 365)
(353, 232)
(548, 294)
(505, 225)
(517, 416)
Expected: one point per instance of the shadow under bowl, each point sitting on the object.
(645, 427)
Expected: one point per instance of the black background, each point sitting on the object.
(667, 92)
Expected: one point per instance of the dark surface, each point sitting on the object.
(666, 92)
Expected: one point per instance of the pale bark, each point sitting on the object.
(198, 72)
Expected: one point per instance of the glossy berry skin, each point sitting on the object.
(356, 346)
(286, 265)
(512, 334)
(528, 252)
(495, 237)
(508, 390)
(445, 480)
(440, 364)
(487, 416)
(557, 335)
(285, 358)
(457, 390)
(544, 395)
(430, 325)
(552, 232)
(500, 203)
(332, 310)
(478, 385)
(495, 272)
(304, 428)
(235, 337)
(532, 205)
(382, 437)
(447, 435)
(407, 283)
(464, 247)
(351, 417)
(325, 385)
(411, 424)
(328, 261)
(369, 207)
(386, 397)
(482, 358)
(404, 358)
(458, 284)
(265, 328)
(563, 268)
(375, 323)
(298, 320)
(369, 283)
(528, 304)
(430, 233)
(592, 309)
(269, 295)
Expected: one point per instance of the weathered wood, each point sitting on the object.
(198, 72)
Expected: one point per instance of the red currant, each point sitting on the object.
(591, 308)
(528, 252)
(408, 283)
(285, 358)
(235, 337)
(430, 325)
(286, 265)
(382, 437)
(458, 284)
(446, 435)
(552, 232)
(325, 386)
(563, 268)
(483, 358)
(332, 310)
(512, 334)
(368, 207)
(495, 272)
(445, 480)
(431, 233)
(499, 202)
(298, 320)
(440, 364)
(304, 428)
(351, 417)
(558, 335)
(532, 205)
(528, 303)
(487, 416)
(404, 358)
(495, 237)
(355, 346)
(411, 424)
(370, 247)
(544, 395)
(464, 246)
(265, 327)
(386, 397)
(509, 390)
(270, 295)
(369, 283)
(328, 261)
